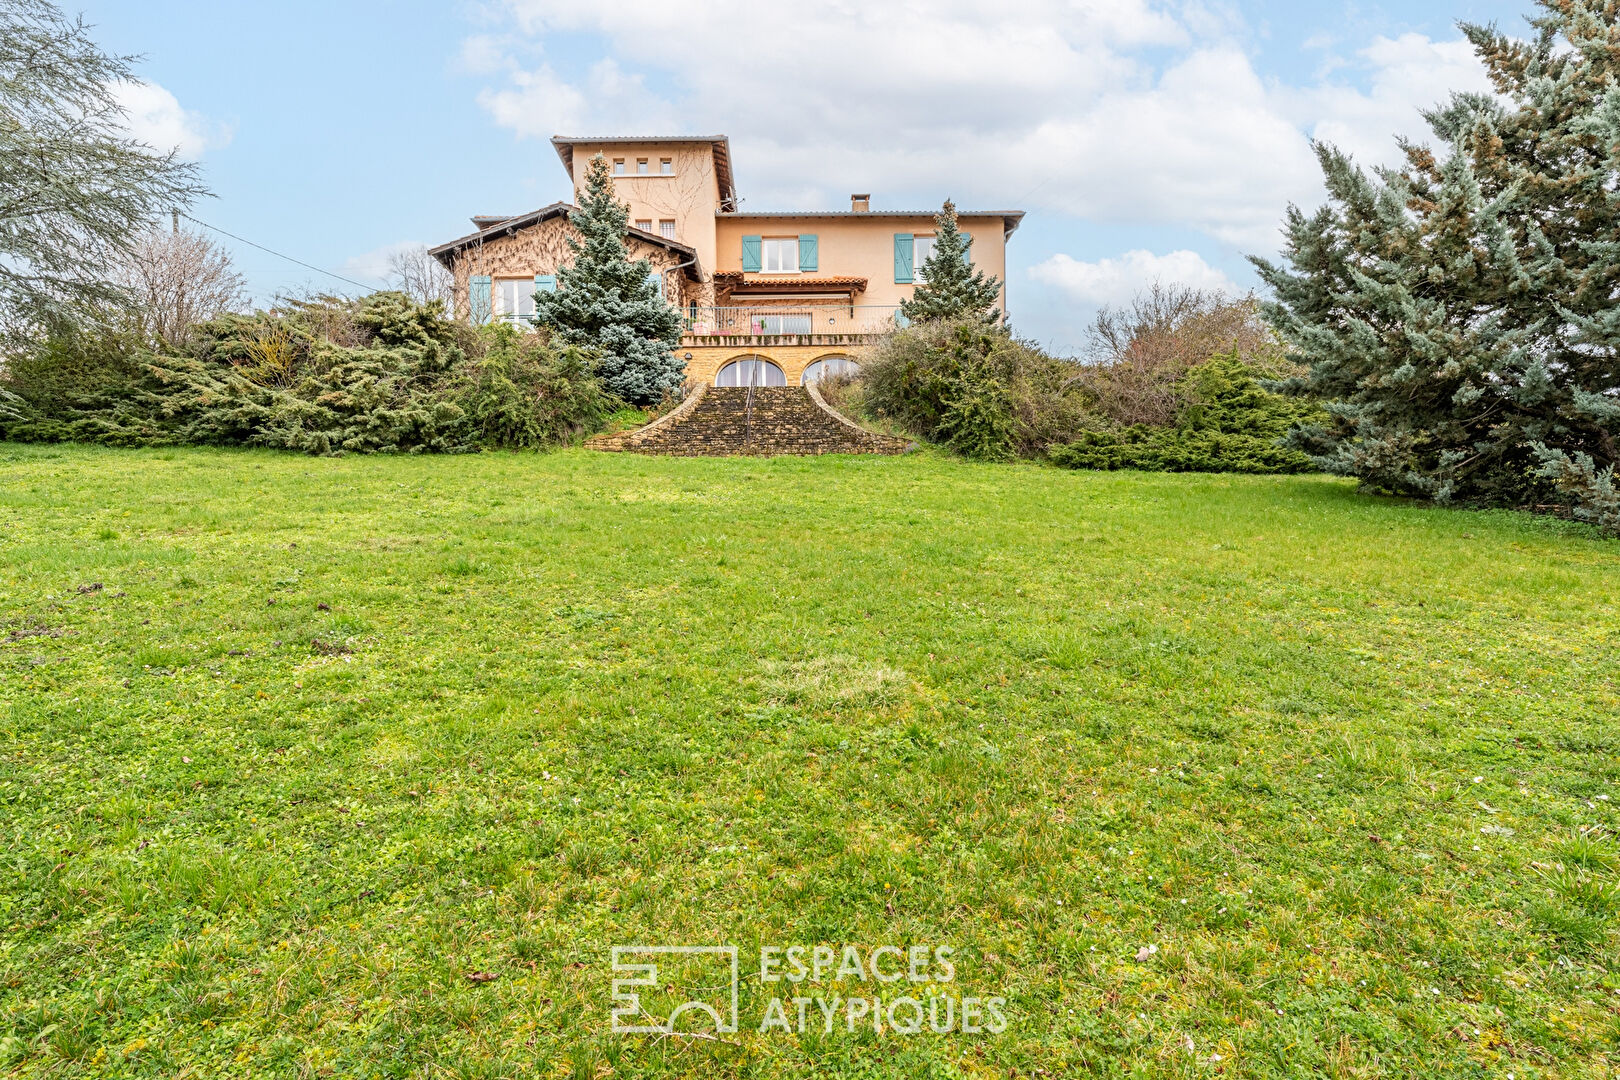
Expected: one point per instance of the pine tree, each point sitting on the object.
(609, 303)
(75, 190)
(1459, 314)
(951, 288)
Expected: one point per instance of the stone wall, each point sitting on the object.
(541, 249)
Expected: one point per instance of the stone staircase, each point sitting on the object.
(720, 421)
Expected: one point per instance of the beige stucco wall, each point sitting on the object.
(859, 245)
(707, 360)
(541, 249)
(690, 196)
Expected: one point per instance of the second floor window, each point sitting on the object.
(618, 166)
(514, 297)
(641, 167)
(923, 246)
(666, 166)
(779, 255)
(666, 229)
(644, 224)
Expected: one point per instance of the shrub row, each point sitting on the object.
(382, 374)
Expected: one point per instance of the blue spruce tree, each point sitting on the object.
(611, 304)
(1460, 315)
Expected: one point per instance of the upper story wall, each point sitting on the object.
(860, 245)
(688, 196)
(542, 249)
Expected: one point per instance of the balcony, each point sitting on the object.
(808, 324)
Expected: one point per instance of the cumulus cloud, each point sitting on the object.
(1408, 74)
(1115, 281)
(1113, 110)
(155, 117)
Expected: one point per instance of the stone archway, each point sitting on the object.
(821, 367)
(751, 371)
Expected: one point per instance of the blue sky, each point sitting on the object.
(1146, 140)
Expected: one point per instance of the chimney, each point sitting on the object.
(860, 204)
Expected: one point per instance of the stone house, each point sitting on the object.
(767, 298)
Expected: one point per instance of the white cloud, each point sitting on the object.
(1113, 110)
(154, 116)
(1408, 74)
(1115, 281)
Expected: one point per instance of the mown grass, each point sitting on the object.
(333, 734)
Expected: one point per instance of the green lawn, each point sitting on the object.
(289, 747)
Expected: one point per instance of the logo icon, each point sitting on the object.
(692, 984)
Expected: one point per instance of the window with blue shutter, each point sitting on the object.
(478, 299)
(656, 280)
(903, 270)
(807, 252)
(545, 283)
(750, 254)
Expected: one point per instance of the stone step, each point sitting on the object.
(729, 420)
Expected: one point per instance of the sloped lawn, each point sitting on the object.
(291, 747)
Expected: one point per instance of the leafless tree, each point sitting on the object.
(1137, 354)
(420, 276)
(177, 279)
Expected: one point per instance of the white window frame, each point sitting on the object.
(618, 166)
(520, 304)
(643, 167)
(644, 224)
(666, 228)
(666, 166)
(786, 250)
(787, 322)
(922, 245)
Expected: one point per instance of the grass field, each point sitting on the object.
(290, 747)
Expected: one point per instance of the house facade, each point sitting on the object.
(766, 298)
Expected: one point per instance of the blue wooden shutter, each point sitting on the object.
(545, 283)
(903, 247)
(807, 252)
(478, 299)
(751, 254)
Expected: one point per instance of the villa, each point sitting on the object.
(775, 298)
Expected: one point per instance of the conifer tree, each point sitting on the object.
(951, 288)
(1460, 314)
(612, 304)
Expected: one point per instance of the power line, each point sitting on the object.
(279, 255)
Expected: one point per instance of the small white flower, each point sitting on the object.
(1477, 779)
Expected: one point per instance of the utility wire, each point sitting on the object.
(279, 255)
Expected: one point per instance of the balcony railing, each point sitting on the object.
(808, 319)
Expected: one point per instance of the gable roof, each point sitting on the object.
(720, 144)
(446, 253)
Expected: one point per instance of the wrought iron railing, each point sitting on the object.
(786, 320)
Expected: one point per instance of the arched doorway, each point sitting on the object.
(750, 371)
(829, 365)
